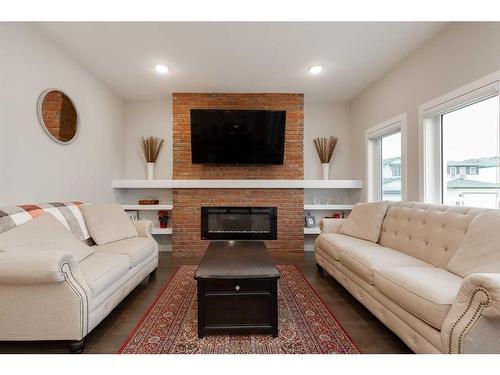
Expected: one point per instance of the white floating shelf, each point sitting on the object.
(237, 184)
(314, 230)
(327, 207)
(147, 207)
(162, 231)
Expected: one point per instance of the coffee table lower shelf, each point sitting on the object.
(238, 306)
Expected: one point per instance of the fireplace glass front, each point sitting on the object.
(238, 223)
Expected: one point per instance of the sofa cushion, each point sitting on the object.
(364, 221)
(137, 249)
(480, 248)
(44, 233)
(100, 270)
(426, 292)
(429, 232)
(108, 223)
(365, 260)
(334, 243)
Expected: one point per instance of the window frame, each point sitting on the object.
(373, 168)
(431, 167)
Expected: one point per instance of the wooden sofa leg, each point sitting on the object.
(152, 275)
(320, 270)
(77, 347)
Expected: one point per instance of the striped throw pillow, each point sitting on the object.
(69, 214)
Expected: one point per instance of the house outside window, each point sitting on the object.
(396, 169)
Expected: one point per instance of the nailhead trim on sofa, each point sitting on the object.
(470, 322)
(80, 291)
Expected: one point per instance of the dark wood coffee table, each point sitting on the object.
(237, 289)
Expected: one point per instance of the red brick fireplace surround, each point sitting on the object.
(188, 202)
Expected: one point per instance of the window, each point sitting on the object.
(470, 136)
(460, 141)
(385, 173)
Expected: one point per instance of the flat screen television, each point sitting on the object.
(237, 136)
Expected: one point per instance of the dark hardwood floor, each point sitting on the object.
(366, 331)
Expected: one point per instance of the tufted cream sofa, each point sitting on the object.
(404, 281)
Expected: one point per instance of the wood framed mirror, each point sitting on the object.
(58, 116)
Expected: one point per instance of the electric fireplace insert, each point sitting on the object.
(238, 223)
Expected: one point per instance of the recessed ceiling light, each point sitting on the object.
(162, 69)
(315, 69)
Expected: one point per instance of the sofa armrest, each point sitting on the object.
(34, 268)
(330, 225)
(473, 322)
(43, 296)
(144, 228)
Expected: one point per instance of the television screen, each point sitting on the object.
(237, 136)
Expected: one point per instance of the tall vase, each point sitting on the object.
(150, 171)
(325, 171)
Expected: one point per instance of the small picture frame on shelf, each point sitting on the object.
(133, 215)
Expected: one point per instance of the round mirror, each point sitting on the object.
(57, 116)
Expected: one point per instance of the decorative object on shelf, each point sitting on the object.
(148, 200)
(338, 215)
(332, 200)
(325, 148)
(309, 221)
(57, 116)
(163, 218)
(150, 147)
(133, 215)
(316, 199)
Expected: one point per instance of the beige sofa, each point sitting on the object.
(404, 278)
(49, 296)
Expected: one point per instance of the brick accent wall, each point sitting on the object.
(293, 165)
(187, 217)
(187, 202)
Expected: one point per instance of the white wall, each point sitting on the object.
(155, 118)
(461, 53)
(145, 118)
(33, 168)
(324, 120)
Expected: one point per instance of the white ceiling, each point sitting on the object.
(240, 57)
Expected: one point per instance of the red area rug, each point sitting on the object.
(306, 326)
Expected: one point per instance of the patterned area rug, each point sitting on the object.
(306, 326)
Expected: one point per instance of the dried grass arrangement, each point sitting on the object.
(325, 148)
(150, 147)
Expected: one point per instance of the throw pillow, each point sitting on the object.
(43, 233)
(108, 223)
(480, 248)
(365, 221)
